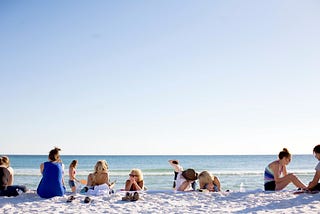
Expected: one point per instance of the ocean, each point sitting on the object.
(234, 171)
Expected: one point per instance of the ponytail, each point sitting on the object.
(54, 154)
(284, 153)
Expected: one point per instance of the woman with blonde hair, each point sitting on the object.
(135, 181)
(98, 182)
(209, 182)
(100, 174)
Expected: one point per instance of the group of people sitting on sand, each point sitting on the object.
(276, 176)
(52, 183)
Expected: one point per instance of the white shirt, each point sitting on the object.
(180, 180)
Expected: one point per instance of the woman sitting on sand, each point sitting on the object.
(100, 176)
(276, 176)
(185, 179)
(135, 181)
(52, 183)
(209, 182)
(314, 185)
(6, 179)
(6, 163)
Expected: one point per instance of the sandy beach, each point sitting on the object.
(256, 201)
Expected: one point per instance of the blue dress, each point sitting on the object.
(51, 182)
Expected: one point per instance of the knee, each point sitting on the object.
(292, 177)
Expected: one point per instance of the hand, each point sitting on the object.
(132, 180)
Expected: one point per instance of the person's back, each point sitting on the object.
(4, 175)
(6, 189)
(98, 178)
(51, 183)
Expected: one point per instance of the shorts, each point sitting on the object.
(270, 186)
(316, 188)
(71, 183)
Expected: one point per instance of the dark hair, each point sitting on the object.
(73, 163)
(284, 153)
(54, 154)
(175, 162)
(190, 175)
(316, 149)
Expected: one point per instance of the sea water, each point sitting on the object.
(233, 171)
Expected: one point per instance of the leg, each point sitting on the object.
(217, 183)
(287, 180)
(13, 190)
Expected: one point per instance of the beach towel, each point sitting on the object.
(102, 189)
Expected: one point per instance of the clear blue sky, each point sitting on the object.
(159, 77)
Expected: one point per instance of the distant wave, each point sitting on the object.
(121, 173)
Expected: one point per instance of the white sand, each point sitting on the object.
(168, 202)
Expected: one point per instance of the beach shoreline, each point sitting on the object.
(256, 201)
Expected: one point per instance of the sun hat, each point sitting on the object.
(190, 174)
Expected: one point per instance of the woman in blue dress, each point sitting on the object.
(52, 183)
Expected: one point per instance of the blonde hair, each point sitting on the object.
(5, 160)
(205, 177)
(101, 166)
(137, 172)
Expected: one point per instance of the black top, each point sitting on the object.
(4, 177)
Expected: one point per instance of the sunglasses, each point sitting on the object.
(132, 175)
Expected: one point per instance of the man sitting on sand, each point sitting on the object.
(314, 185)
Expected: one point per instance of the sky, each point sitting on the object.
(159, 77)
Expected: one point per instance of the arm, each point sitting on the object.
(107, 180)
(275, 167)
(41, 167)
(128, 185)
(284, 172)
(11, 178)
(184, 185)
(216, 181)
(131, 182)
(315, 180)
(175, 165)
(72, 174)
(90, 180)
